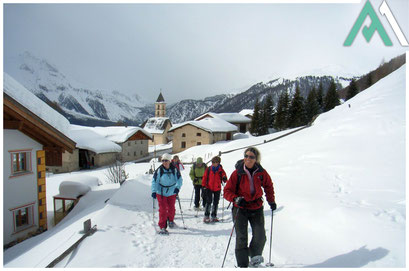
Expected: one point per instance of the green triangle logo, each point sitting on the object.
(368, 32)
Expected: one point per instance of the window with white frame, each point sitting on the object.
(20, 162)
(23, 217)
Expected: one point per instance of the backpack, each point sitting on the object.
(208, 173)
(161, 172)
(194, 169)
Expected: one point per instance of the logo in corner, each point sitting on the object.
(376, 25)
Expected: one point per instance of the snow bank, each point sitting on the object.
(72, 190)
(134, 194)
(77, 185)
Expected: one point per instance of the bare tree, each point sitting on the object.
(116, 172)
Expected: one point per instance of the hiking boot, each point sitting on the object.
(163, 231)
(256, 261)
(171, 224)
(206, 219)
(215, 219)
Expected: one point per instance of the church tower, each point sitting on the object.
(160, 107)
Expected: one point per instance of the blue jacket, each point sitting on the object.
(165, 181)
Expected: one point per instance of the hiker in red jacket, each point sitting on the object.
(244, 189)
(211, 183)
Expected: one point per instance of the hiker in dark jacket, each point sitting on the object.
(196, 174)
(211, 183)
(244, 189)
(166, 184)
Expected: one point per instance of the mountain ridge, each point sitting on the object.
(91, 107)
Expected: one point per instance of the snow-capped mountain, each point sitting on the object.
(77, 101)
(86, 106)
(247, 99)
(189, 109)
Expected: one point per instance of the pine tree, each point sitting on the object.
(268, 112)
(369, 80)
(254, 129)
(312, 107)
(320, 97)
(297, 111)
(352, 90)
(281, 115)
(332, 98)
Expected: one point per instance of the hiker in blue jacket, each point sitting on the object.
(166, 184)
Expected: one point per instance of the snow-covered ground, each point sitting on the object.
(340, 190)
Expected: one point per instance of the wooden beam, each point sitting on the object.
(19, 112)
(12, 124)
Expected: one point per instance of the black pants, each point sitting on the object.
(198, 191)
(211, 197)
(243, 251)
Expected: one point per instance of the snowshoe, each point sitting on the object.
(256, 261)
(172, 224)
(206, 220)
(163, 231)
(215, 219)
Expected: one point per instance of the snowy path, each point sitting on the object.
(131, 226)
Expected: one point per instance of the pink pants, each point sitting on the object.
(166, 209)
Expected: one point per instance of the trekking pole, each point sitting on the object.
(181, 212)
(231, 234)
(191, 199)
(223, 208)
(153, 211)
(270, 264)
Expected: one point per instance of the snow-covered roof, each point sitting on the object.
(90, 140)
(212, 125)
(229, 117)
(119, 134)
(156, 125)
(27, 99)
(246, 112)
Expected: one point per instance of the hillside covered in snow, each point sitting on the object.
(340, 191)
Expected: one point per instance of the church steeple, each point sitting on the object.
(160, 106)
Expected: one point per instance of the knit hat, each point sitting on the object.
(166, 156)
(199, 160)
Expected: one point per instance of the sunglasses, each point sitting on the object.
(164, 161)
(249, 156)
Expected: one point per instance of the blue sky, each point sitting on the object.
(195, 50)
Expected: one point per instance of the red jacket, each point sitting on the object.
(260, 179)
(213, 180)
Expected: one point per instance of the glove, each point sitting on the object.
(240, 201)
(273, 205)
(176, 191)
(154, 195)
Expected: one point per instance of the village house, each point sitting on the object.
(94, 150)
(133, 140)
(247, 113)
(243, 123)
(101, 146)
(199, 132)
(31, 128)
(159, 125)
